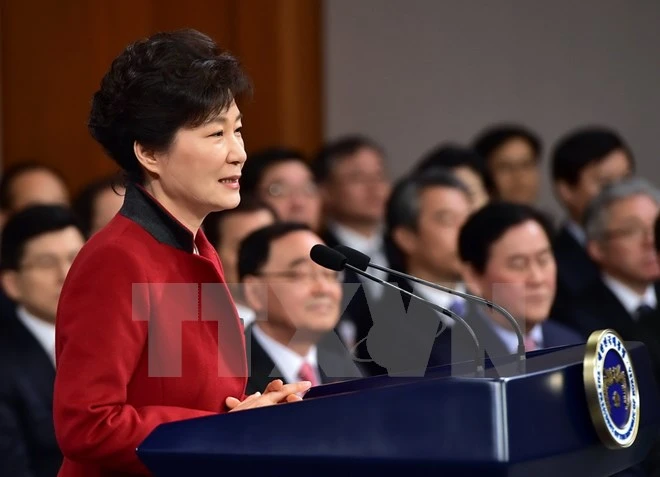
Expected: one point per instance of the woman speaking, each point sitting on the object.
(146, 331)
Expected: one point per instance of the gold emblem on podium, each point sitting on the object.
(611, 389)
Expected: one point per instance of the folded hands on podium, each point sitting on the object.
(275, 393)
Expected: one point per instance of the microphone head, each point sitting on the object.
(354, 257)
(327, 257)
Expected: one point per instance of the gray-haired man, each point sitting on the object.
(619, 224)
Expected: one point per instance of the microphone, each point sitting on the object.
(334, 260)
(360, 260)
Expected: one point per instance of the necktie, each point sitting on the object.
(306, 373)
(644, 312)
(530, 344)
(458, 307)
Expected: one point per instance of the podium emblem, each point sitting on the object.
(611, 389)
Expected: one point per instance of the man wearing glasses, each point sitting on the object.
(619, 224)
(297, 305)
(38, 246)
(282, 178)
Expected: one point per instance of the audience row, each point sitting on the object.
(464, 218)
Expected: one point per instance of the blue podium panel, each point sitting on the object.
(505, 423)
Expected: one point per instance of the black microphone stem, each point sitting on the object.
(479, 354)
(489, 304)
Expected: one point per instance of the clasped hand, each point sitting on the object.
(276, 392)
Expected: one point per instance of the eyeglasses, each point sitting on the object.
(48, 263)
(633, 232)
(363, 179)
(306, 276)
(512, 167)
(279, 190)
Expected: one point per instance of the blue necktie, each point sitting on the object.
(458, 307)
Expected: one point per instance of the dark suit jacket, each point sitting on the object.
(7, 306)
(599, 308)
(554, 334)
(404, 331)
(575, 271)
(358, 310)
(27, 437)
(334, 362)
(356, 307)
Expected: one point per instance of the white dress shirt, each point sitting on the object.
(628, 298)
(510, 338)
(245, 313)
(577, 232)
(43, 331)
(373, 246)
(286, 360)
(440, 298)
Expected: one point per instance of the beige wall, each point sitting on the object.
(415, 72)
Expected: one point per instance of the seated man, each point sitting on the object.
(29, 183)
(583, 162)
(297, 304)
(507, 257)
(466, 165)
(225, 230)
(24, 184)
(354, 185)
(99, 202)
(283, 179)
(620, 229)
(38, 247)
(512, 162)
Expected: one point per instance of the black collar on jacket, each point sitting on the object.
(140, 207)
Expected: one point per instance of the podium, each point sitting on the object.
(448, 422)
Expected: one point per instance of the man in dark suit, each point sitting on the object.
(354, 186)
(297, 306)
(620, 229)
(583, 162)
(508, 259)
(24, 184)
(38, 246)
(423, 216)
(225, 231)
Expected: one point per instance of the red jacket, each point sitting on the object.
(146, 333)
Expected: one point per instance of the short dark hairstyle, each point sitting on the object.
(336, 150)
(85, 201)
(16, 170)
(402, 208)
(493, 137)
(489, 224)
(451, 156)
(158, 85)
(260, 161)
(28, 224)
(214, 220)
(597, 214)
(582, 147)
(255, 248)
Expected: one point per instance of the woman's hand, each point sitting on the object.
(275, 393)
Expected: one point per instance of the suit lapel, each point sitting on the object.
(335, 363)
(575, 267)
(38, 371)
(261, 368)
(613, 312)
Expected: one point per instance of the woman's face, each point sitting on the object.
(201, 169)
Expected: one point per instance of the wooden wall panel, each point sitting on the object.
(55, 53)
(285, 60)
